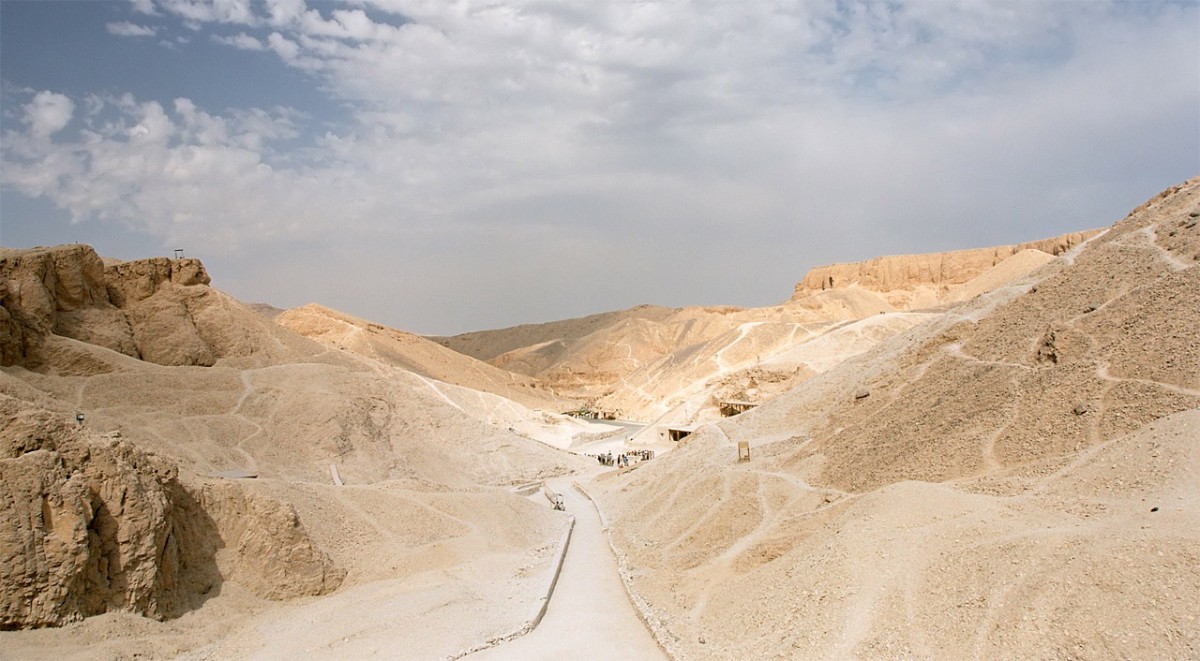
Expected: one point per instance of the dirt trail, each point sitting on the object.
(589, 616)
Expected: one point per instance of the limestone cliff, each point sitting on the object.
(158, 310)
(137, 308)
(933, 271)
(91, 524)
(86, 524)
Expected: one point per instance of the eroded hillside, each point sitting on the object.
(226, 464)
(1013, 478)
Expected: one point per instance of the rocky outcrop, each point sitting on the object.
(132, 282)
(19, 339)
(36, 286)
(143, 308)
(937, 270)
(90, 524)
(87, 524)
(273, 554)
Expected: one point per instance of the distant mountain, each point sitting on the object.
(649, 362)
(488, 344)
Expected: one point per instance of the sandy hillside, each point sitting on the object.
(486, 345)
(647, 362)
(1015, 478)
(754, 363)
(418, 355)
(239, 481)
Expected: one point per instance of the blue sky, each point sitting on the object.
(443, 167)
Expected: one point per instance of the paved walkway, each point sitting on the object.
(589, 616)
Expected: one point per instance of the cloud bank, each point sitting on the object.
(672, 151)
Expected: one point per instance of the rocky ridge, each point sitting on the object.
(68, 291)
(647, 360)
(912, 281)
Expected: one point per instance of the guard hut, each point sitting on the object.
(733, 407)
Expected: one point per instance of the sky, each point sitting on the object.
(442, 166)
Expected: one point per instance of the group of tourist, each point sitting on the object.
(623, 460)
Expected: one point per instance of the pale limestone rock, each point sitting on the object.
(142, 308)
(917, 273)
(92, 524)
(86, 524)
(133, 281)
(274, 556)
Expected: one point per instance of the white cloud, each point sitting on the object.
(241, 41)
(144, 7)
(287, 49)
(181, 175)
(48, 114)
(196, 12)
(284, 12)
(127, 29)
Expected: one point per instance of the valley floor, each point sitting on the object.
(589, 616)
(436, 614)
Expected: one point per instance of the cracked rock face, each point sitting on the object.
(144, 308)
(90, 524)
(941, 270)
(86, 524)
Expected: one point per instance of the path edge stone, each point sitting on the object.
(538, 611)
(652, 624)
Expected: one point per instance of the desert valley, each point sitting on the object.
(990, 453)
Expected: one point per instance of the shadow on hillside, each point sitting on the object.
(196, 540)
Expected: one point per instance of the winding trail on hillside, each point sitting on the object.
(589, 615)
(437, 391)
(240, 445)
